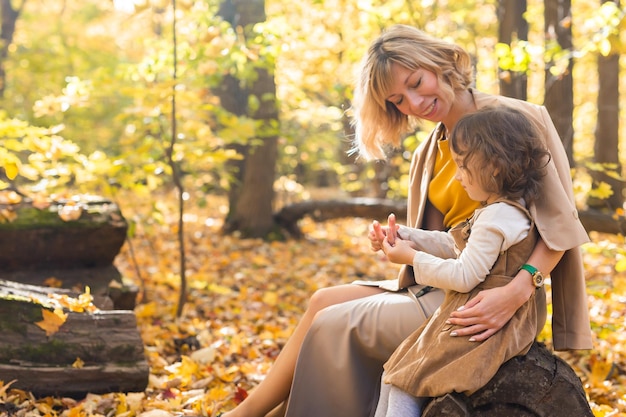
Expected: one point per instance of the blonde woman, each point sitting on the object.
(332, 364)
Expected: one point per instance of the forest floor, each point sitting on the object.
(245, 296)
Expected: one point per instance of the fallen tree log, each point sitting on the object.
(74, 353)
(539, 384)
(378, 209)
(321, 210)
(75, 250)
(35, 238)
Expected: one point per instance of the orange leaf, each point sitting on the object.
(78, 363)
(52, 320)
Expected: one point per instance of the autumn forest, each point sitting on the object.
(218, 131)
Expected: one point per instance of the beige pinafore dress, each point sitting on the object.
(431, 363)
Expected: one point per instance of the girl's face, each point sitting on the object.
(417, 93)
(468, 178)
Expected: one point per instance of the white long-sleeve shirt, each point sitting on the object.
(439, 263)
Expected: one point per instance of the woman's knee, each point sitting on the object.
(320, 299)
(339, 294)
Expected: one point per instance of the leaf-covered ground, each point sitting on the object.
(246, 296)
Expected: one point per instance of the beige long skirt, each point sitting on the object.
(340, 365)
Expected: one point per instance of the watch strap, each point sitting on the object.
(531, 269)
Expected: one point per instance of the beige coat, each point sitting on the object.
(554, 213)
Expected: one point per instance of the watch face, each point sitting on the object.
(538, 279)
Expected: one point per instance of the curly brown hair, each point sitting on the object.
(503, 150)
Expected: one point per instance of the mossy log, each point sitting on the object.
(539, 384)
(77, 250)
(90, 352)
(34, 238)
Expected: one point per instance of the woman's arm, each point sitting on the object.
(491, 309)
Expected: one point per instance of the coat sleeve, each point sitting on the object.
(555, 211)
(558, 224)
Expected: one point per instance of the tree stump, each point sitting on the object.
(539, 384)
(75, 242)
(88, 352)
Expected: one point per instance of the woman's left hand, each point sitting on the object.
(485, 314)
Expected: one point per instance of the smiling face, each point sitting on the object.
(417, 93)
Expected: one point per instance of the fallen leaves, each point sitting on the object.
(79, 304)
(52, 320)
(247, 296)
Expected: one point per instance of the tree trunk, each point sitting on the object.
(234, 99)
(250, 201)
(536, 385)
(513, 26)
(606, 147)
(9, 16)
(559, 94)
(90, 352)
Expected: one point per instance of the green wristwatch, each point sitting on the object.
(535, 274)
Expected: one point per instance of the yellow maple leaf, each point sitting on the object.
(4, 387)
(602, 191)
(8, 215)
(77, 411)
(78, 363)
(146, 310)
(82, 303)
(11, 169)
(270, 298)
(52, 320)
(217, 393)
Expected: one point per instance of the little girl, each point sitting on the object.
(500, 161)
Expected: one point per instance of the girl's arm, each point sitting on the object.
(491, 309)
(434, 242)
(494, 229)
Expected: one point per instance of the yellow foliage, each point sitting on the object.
(82, 303)
(602, 191)
(247, 297)
(270, 298)
(52, 320)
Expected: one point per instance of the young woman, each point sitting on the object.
(332, 364)
(500, 162)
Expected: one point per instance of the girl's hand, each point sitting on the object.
(392, 229)
(378, 233)
(376, 236)
(401, 252)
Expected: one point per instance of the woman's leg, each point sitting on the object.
(274, 389)
(341, 358)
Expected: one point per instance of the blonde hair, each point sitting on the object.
(377, 122)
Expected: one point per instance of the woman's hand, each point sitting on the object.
(488, 312)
